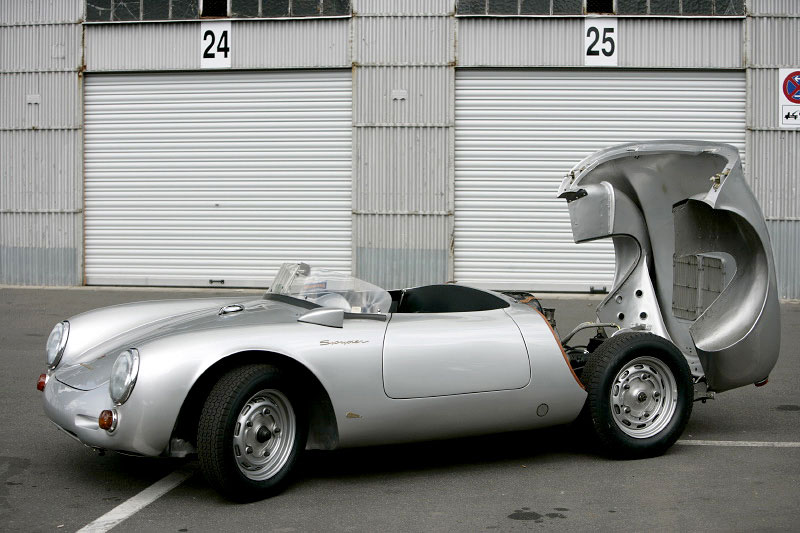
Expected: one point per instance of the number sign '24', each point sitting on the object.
(215, 44)
(600, 42)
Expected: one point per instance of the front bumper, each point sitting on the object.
(76, 412)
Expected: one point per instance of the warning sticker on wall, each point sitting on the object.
(789, 98)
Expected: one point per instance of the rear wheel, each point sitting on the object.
(640, 394)
(251, 432)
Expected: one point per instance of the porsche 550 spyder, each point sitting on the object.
(325, 360)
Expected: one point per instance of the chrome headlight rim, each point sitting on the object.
(129, 380)
(59, 348)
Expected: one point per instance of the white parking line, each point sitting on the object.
(133, 505)
(740, 443)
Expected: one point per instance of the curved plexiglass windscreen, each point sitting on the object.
(329, 288)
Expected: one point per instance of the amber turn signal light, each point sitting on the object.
(107, 420)
(41, 382)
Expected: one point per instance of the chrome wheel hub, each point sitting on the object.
(644, 396)
(264, 434)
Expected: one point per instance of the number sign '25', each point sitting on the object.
(600, 41)
(215, 44)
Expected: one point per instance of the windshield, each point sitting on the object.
(329, 288)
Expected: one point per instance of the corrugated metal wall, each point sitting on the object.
(403, 54)
(644, 42)
(772, 7)
(41, 173)
(403, 76)
(773, 42)
(23, 12)
(260, 44)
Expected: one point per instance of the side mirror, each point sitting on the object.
(332, 317)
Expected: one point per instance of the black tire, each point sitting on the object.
(647, 417)
(254, 460)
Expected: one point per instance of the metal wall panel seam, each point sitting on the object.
(404, 199)
(38, 249)
(467, 16)
(34, 48)
(402, 125)
(524, 42)
(400, 170)
(394, 40)
(32, 100)
(785, 238)
(355, 147)
(773, 7)
(402, 64)
(773, 172)
(402, 95)
(297, 44)
(200, 20)
(29, 24)
(774, 41)
(746, 48)
(404, 15)
(451, 156)
(396, 251)
(81, 238)
(394, 212)
(41, 172)
(706, 43)
(748, 145)
(44, 71)
(20, 13)
(304, 44)
(403, 7)
(40, 211)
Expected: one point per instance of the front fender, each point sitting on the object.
(170, 366)
(97, 327)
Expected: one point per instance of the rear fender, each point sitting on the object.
(664, 200)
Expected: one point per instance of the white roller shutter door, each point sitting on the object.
(519, 132)
(199, 178)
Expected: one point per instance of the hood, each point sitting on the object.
(670, 206)
(92, 368)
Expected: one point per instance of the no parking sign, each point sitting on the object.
(789, 98)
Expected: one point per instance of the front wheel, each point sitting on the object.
(250, 433)
(640, 394)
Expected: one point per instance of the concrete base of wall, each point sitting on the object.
(40, 266)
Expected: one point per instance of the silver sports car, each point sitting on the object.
(325, 360)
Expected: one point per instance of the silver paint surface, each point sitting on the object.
(665, 199)
(178, 340)
(418, 360)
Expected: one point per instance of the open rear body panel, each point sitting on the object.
(666, 205)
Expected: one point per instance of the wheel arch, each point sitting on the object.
(323, 431)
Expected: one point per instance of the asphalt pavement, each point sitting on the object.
(538, 480)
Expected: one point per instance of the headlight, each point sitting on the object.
(56, 343)
(123, 376)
